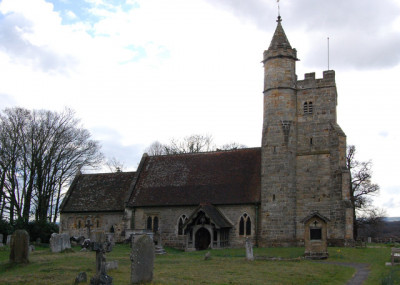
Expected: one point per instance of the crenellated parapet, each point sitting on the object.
(309, 81)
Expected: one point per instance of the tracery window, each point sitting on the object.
(308, 108)
(245, 225)
(181, 222)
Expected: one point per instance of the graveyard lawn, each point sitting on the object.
(225, 267)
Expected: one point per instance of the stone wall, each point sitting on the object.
(74, 223)
(169, 219)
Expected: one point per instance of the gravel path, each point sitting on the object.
(362, 271)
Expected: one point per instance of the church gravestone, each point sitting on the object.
(8, 240)
(19, 244)
(249, 250)
(142, 258)
(1, 240)
(59, 242)
(100, 246)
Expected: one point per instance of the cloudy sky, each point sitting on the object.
(146, 70)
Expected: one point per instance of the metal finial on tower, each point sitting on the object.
(279, 11)
(328, 53)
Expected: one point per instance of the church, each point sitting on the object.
(294, 187)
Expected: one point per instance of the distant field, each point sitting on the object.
(225, 267)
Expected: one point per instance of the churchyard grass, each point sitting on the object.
(227, 266)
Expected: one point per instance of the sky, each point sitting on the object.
(146, 70)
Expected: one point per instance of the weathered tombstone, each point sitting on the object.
(142, 258)
(31, 248)
(369, 239)
(59, 242)
(19, 244)
(38, 241)
(8, 240)
(207, 256)
(249, 250)
(82, 277)
(1, 240)
(101, 246)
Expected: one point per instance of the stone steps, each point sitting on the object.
(159, 250)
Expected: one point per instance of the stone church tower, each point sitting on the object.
(303, 168)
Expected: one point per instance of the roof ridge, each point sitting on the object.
(102, 173)
(207, 152)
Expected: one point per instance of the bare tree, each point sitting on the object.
(189, 144)
(361, 186)
(231, 146)
(370, 222)
(156, 148)
(39, 153)
(114, 165)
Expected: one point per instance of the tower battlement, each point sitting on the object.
(309, 81)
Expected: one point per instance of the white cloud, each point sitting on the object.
(163, 69)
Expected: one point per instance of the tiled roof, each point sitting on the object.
(222, 177)
(98, 192)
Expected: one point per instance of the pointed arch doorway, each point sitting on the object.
(203, 239)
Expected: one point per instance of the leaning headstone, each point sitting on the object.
(8, 240)
(369, 239)
(142, 258)
(82, 277)
(59, 242)
(19, 247)
(1, 240)
(249, 250)
(207, 256)
(31, 248)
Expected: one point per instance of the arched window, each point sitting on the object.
(152, 223)
(181, 222)
(155, 224)
(149, 223)
(245, 225)
(308, 108)
(241, 226)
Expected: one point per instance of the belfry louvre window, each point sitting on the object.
(308, 108)
(245, 225)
